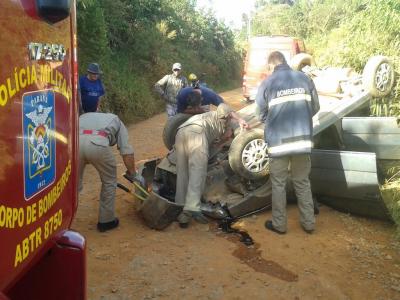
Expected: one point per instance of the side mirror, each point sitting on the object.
(53, 11)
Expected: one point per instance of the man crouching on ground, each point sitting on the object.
(193, 139)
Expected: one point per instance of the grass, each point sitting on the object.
(391, 193)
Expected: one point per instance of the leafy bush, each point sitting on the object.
(341, 33)
(137, 41)
(127, 93)
(391, 195)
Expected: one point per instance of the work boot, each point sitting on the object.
(199, 217)
(269, 226)
(184, 218)
(102, 227)
(309, 231)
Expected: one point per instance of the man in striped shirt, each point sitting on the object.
(287, 100)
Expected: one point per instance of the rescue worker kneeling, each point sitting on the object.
(193, 139)
(97, 133)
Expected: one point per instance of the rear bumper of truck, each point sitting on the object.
(59, 274)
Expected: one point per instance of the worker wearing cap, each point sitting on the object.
(97, 133)
(91, 88)
(193, 139)
(169, 86)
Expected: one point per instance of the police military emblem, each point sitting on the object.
(39, 141)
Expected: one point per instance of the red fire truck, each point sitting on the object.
(40, 257)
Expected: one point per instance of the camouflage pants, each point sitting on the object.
(172, 109)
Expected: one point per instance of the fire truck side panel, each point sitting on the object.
(38, 146)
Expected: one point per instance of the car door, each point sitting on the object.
(348, 179)
(380, 135)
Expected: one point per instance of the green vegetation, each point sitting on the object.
(391, 194)
(137, 41)
(340, 33)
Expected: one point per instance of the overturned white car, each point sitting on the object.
(345, 160)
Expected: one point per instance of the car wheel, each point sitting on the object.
(299, 61)
(171, 127)
(378, 76)
(248, 154)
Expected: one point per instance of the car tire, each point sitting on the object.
(299, 61)
(248, 156)
(171, 127)
(378, 76)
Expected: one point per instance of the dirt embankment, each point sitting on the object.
(346, 258)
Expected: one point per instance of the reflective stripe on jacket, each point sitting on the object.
(287, 100)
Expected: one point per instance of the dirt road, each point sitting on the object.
(346, 258)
